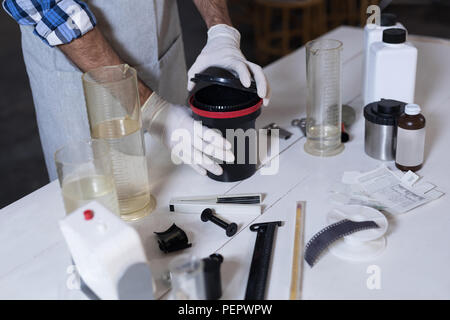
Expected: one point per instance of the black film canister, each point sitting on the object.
(213, 281)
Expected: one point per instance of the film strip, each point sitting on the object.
(325, 237)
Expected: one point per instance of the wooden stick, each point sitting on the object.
(297, 262)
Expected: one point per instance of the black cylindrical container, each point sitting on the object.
(213, 279)
(225, 104)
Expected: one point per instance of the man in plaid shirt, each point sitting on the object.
(56, 22)
(63, 38)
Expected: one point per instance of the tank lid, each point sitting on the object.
(222, 77)
(388, 19)
(412, 109)
(384, 112)
(388, 107)
(394, 36)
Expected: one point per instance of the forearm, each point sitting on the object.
(213, 12)
(92, 51)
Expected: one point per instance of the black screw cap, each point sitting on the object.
(394, 36)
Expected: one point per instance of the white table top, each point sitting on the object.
(34, 257)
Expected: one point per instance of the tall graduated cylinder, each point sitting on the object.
(324, 108)
(113, 106)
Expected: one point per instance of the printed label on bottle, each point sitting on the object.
(410, 147)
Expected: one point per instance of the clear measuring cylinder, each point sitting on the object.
(187, 277)
(324, 108)
(114, 112)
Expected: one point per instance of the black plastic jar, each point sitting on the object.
(223, 103)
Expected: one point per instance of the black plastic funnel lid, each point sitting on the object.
(394, 35)
(222, 77)
(216, 98)
(388, 19)
(384, 112)
(388, 107)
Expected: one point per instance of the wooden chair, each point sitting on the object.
(241, 12)
(278, 23)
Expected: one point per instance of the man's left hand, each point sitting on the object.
(223, 50)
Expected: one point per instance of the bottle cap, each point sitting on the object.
(412, 109)
(388, 19)
(384, 112)
(394, 36)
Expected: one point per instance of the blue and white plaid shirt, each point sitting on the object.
(56, 21)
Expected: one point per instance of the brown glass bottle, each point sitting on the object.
(410, 139)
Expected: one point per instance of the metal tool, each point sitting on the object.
(259, 269)
(348, 118)
(247, 199)
(283, 133)
(301, 123)
(230, 228)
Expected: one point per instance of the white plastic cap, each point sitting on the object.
(412, 109)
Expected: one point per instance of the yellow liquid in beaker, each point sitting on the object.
(126, 143)
(79, 192)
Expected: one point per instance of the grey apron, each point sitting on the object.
(145, 33)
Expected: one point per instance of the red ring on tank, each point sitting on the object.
(225, 115)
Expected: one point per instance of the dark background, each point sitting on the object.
(22, 167)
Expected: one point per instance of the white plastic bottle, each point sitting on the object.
(392, 68)
(374, 33)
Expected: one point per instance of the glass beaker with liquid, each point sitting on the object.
(324, 108)
(85, 174)
(114, 112)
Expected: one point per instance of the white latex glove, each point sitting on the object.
(223, 50)
(189, 142)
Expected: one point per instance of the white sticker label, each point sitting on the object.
(409, 178)
(410, 147)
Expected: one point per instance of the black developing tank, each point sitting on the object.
(221, 102)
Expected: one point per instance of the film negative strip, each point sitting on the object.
(325, 237)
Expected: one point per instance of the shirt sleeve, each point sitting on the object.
(56, 22)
